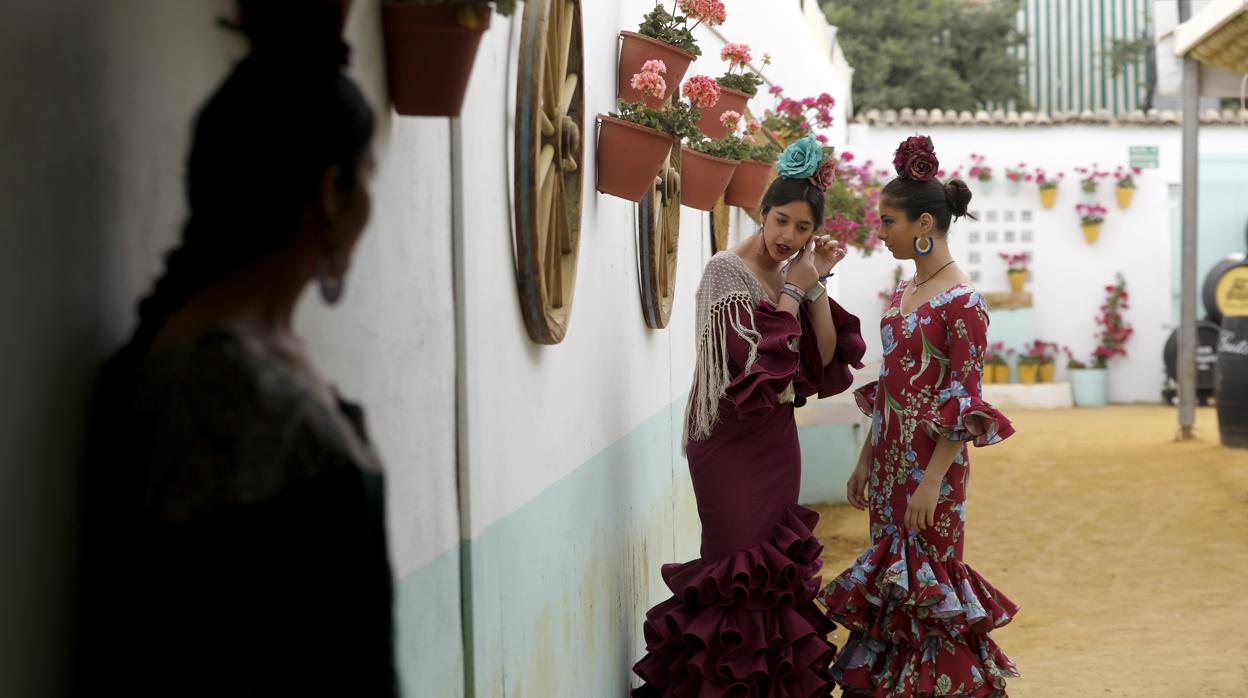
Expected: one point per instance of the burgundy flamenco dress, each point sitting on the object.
(919, 617)
(742, 620)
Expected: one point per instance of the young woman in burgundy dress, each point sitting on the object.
(742, 619)
(919, 617)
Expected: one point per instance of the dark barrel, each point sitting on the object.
(1231, 381)
(1231, 384)
(1209, 292)
(1206, 356)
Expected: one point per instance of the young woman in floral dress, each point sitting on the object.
(919, 617)
(742, 620)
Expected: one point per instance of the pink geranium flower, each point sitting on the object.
(702, 91)
(654, 66)
(649, 84)
(730, 119)
(736, 54)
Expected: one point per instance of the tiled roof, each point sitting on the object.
(1000, 117)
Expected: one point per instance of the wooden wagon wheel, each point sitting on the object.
(550, 114)
(658, 239)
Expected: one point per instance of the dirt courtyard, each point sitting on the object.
(1127, 551)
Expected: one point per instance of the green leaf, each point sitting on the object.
(931, 352)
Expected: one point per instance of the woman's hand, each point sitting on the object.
(921, 513)
(802, 271)
(856, 487)
(827, 254)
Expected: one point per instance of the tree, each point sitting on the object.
(1130, 52)
(951, 54)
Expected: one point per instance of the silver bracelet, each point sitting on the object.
(794, 292)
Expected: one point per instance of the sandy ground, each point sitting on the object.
(1127, 551)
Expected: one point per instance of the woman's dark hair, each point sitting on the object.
(785, 191)
(946, 202)
(262, 143)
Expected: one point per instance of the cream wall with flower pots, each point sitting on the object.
(1068, 274)
(533, 491)
(575, 490)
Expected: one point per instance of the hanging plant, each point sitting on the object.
(1124, 187)
(1090, 181)
(1017, 273)
(636, 139)
(667, 36)
(791, 120)
(1015, 176)
(1047, 185)
(445, 33)
(1091, 216)
(708, 164)
(758, 153)
(851, 213)
(981, 173)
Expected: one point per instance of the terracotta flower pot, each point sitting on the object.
(1091, 231)
(729, 100)
(1047, 370)
(429, 57)
(1027, 373)
(629, 157)
(749, 183)
(635, 50)
(1018, 278)
(703, 178)
(1048, 196)
(1124, 195)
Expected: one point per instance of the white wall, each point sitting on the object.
(611, 372)
(97, 133)
(1068, 274)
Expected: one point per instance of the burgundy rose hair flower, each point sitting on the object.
(916, 159)
(826, 174)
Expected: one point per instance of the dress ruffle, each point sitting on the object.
(745, 624)
(919, 627)
(865, 397)
(775, 363)
(828, 378)
(968, 418)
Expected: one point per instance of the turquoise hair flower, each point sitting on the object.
(801, 159)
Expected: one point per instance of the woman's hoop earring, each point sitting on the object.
(329, 278)
(924, 251)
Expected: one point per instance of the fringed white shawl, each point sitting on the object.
(727, 296)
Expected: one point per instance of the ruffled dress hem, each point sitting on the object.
(745, 624)
(919, 626)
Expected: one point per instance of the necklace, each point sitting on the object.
(920, 283)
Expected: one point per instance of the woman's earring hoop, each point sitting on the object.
(924, 250)
(329, 278)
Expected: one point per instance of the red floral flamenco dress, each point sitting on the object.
(919, 617)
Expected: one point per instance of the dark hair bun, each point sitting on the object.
(303, 33)
(958, 196)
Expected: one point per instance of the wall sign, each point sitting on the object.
(1145, 157)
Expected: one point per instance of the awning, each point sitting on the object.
(1217, 35)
